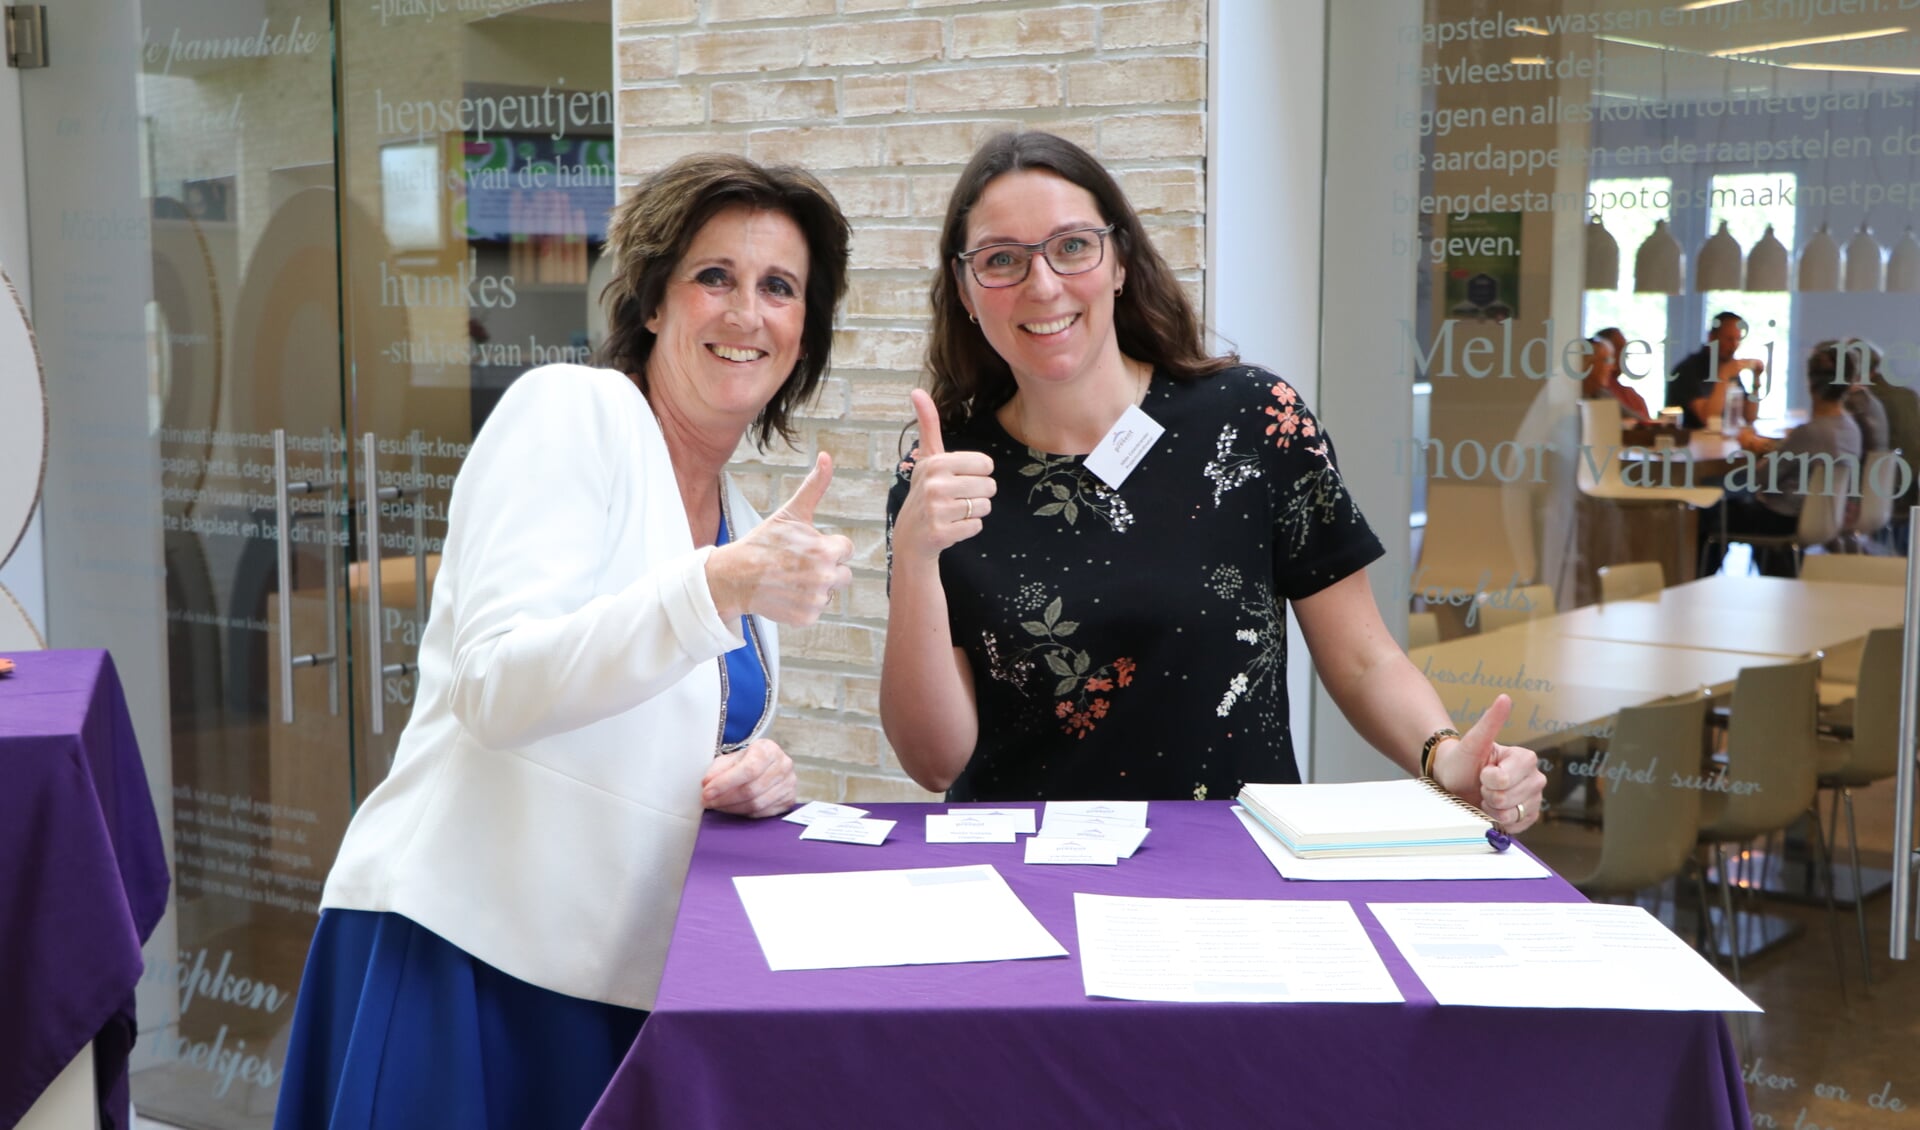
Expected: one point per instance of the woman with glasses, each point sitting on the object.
(1071, 623)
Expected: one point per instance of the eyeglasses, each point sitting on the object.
(1069, 253)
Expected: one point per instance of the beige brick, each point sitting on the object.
(862, 695)
(728, 52)
(895, 248)
(820, 739)
(865, 95)
(1155, 191)
(796, 99)
(867, 598)
(1153, 136)
(831, 642)
(896, 350)
(882, 401)
(1042, 31)
(757, 486)
(654, 12)
(870, 195)
(851, 7)
(887, 294)
(857, 498)
(777, 454)
(651, 107)
(885, 41)
(850, 448)
(1159, 24)
(1122, 82)
(952, 3)
(986, 88)
(939, 143)
(728, 11)
(931, 191)
(1181, 247)
(860, 788)
(1082, 131)
(869, 547)
(649, 56)
(642, 152)
(829, 401)
(810, 690)
(816, 782)
(830, 147)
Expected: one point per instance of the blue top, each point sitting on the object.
(746, 684)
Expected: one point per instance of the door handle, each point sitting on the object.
(376, 599)
(1903, 853)
(283, 552)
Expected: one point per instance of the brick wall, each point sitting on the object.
(885, 100)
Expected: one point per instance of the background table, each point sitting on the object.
(83, 878)
(1017, 1043)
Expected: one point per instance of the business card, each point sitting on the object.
(853, 831)
(820, 810)
(1021, 818)
(1043, 850)
(968, 828)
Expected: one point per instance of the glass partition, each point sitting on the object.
(1653, 285)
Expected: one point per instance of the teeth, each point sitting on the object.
(1052, 327)
(730, 353)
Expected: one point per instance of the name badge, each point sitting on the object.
(1124, 446)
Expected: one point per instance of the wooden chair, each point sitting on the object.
(1863, 749)
(1631, 581)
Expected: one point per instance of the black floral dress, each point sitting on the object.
(1132, 643)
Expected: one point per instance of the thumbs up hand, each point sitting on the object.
(951, 496)
(783, 568)
(1503, 780)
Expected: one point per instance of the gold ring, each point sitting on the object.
(969, 513)
(1521, 808)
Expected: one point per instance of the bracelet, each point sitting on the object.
(1426, 751)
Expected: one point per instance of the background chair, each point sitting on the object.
(1822, 518)
(1597, 473)
(1871, 518)
(1631, 581)
(1423, 629)
(1863, 749)
(1507, 607)
(1647, 830)
(1772, 764)
(1854, 569)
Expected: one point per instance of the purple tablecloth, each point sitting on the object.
(1018, 1043)
(83, 877)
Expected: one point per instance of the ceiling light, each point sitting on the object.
(1718, 265)
(1603, 257)
(1865, 266)
(1852, 68)
(1659, 265)
(1903, 266)
(1820, 262)
(1767, 263)
(1811, 41)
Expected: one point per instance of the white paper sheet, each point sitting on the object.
(1510, 864)
(968, 828)
(1022, 818)
(1147, 949)
(1554, 955)
(919, 916)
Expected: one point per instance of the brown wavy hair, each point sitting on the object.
(1152, 318)
(649, 233)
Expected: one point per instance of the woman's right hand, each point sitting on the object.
(783, 568)
(951, 495)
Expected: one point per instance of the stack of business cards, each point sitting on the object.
(1098, 832)
(840, 823)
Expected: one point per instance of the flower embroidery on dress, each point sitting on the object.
(1315, 498)
(1290, 419)
(1080, 688)
(1229, 468)
(1070, 489)
(1268, 636)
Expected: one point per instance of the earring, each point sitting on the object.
(971, 317)
(1118, 289)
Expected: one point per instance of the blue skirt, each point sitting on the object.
(397, 1028)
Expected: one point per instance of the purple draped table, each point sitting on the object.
(83, 876)
(1018, 1043)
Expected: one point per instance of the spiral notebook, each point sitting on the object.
(1411, 816)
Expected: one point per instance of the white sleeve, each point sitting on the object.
(535, 651)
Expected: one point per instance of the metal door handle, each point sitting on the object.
(1903, 853)
(283, 550)
(376, 610)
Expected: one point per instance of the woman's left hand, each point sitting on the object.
(756, 781)
(1504, 781)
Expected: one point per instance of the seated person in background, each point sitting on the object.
(1700, 382)
(1902, 407)
(1859, 360)
(1603, 377)
(1767, 513)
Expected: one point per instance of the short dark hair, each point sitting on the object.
(650, 231)
(1152, 318)
(1836, 365)
(1615, 337)
(1713, 323)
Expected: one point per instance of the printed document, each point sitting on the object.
(1510, 864)
(1147, 949)
(920, 916)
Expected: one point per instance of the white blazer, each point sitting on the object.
(545, 794)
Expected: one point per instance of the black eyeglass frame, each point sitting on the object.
(1033, 249)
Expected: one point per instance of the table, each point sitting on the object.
(83, 877)
(1012, 1044)
(1771, 616)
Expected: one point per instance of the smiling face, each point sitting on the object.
(1049, 328)
(729, 323)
